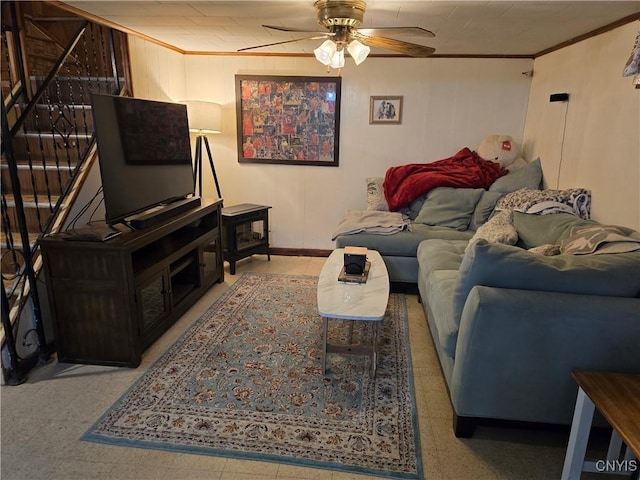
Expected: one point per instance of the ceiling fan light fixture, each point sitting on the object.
(337, 60)
(358, 51)
(325, 52)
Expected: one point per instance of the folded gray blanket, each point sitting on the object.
(371, 221)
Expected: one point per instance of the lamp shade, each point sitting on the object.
(325, 52)
(358, 51)
(204, 117)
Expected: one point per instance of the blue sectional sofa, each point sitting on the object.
(509, 324)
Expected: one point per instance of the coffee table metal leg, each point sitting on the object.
(325, 322)
(374, 349)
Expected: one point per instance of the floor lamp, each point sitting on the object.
(204, 118)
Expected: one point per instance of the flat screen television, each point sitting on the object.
(144, 154)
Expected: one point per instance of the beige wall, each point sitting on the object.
(157, 72)
(448, 104)
(601, 147)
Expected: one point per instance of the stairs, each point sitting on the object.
(51, 64)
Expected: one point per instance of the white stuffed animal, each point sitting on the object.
(501, 149)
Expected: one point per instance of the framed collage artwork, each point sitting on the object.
(288, 119)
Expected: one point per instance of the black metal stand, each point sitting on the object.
(197, 173)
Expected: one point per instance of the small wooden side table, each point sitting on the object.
(245, 232)
(617, 397)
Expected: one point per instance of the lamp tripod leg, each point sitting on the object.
(197, 170)
(213, 168)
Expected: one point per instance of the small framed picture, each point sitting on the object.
(385, 110)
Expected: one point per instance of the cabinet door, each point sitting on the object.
(153, 299)
(211, 262)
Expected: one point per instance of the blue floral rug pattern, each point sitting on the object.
(245, 381)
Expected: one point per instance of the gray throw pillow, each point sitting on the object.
(483, 209)
(413, 209)
(529, 176)
(449, 207)
(535, 230)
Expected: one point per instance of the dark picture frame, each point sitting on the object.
(385, 110)
(292, 120)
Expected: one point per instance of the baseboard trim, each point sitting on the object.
(300, 252)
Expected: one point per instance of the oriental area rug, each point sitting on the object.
(245, 381)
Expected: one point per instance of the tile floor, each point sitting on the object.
(43, 419)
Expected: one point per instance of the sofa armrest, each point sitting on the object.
(516, 349)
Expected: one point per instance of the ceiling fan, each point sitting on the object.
(341, 18)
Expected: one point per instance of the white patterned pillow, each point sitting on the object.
(573, 200)
(375, 194)
(499, 229)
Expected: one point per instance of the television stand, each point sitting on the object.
(111, 300)
(161, 213)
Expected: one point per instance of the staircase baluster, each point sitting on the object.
(114, 63)
(95, 56)
(83, 99)
(8, 74)
(34, 190)
(70, 105)
(10, 249)
(50, 108)
(15, 375)
(54, 130)
(105, 62)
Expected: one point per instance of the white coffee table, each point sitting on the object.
(352, 301)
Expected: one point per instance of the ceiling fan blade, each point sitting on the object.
(290, 29)
(314, 37)
(392, 31)
(411, 49)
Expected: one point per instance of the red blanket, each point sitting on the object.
(465, 169)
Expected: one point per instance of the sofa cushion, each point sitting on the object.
(438, 264)
(440, 254)
(440, 287)
(535, 230)
(506, 266)
(401, 244)
(529, 176)
(484, 209)
(449, 207)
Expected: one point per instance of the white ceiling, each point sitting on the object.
(489, 27)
